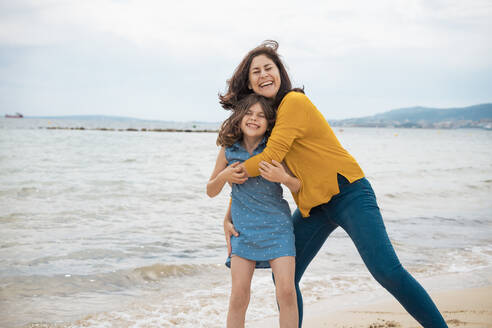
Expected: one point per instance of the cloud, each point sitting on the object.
(320, 28)
(160, 52)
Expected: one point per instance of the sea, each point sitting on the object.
(113, 228)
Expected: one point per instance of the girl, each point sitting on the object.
(258, 210)
(335, 192)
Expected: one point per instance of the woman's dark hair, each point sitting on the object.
(237, 85)
(230, 130)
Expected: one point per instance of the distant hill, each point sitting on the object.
(426, 117)
(120, 123)
(112, 118)
(89, 117)
(477, 116)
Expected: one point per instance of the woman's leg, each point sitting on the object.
(356, 211)
(241, 273)
(310, 234)
(283, 269)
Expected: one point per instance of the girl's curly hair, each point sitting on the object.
(230, 130)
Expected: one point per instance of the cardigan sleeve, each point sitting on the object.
(291, 123)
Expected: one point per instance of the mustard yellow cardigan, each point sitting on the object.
(304, 140)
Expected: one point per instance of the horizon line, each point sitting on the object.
(194, 121)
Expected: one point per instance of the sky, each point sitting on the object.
(168, 60)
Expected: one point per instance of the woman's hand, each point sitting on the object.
(274, 172)
(234, 173)
(278, 172)
(229, 230)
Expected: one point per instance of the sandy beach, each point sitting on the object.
(471, 307)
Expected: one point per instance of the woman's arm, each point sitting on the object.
(229, 229)
(292, 123)
(222, 174)
(291, 181)
(279, 172)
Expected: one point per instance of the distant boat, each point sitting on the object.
(17, 115)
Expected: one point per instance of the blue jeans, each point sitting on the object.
(356, 211)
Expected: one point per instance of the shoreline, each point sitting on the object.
(464, 307)
(81, 128)
(339, 127)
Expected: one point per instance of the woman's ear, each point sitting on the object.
(249, 86)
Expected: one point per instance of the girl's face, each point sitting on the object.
(254, 122)
(264, 77)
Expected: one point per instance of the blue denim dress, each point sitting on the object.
(260, 214)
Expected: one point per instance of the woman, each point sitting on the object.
(334, 190)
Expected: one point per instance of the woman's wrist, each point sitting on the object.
(292, 183)
(286, 179)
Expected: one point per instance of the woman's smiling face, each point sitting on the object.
(264, 77)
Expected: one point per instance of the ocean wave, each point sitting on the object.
(107, 282)
(105, 225)
(158, 272)
(27, 191)
(202, 300)
(470, 259)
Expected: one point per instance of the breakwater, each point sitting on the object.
(81, 128)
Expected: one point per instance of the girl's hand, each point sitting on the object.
(234, 174)
(274, 172)
(229, 230)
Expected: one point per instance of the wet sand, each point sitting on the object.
(467, 308)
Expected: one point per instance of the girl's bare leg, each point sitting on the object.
(283, 269)
(241, 273)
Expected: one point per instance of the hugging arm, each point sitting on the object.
(229, 229)
(292, 122)
(222, 174)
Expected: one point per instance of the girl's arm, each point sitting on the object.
(222, 174)
(279, 172)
